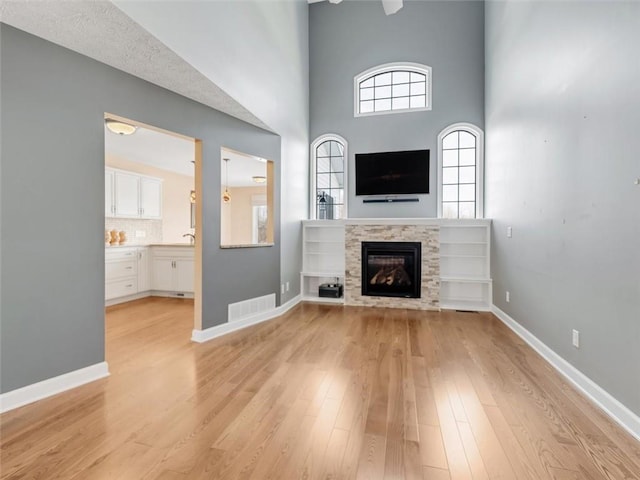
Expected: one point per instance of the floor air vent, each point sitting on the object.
(251, 307)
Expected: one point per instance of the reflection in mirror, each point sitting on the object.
(246, 217)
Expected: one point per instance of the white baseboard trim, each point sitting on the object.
(52, 386)
(603, 399)
(128, 298)
(201, 336)
(162, 293)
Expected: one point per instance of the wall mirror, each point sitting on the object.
(246, 217)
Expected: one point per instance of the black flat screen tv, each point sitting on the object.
(392, 173)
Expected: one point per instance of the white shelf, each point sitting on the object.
(465, 279)
(312, 298)
(457, 304)
(323, 274)
(340, 242)
(462, 243)
(450, 255)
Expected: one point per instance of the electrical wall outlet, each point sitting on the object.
(507, 296)
(509, 232)
(576, 338)
(286, 287)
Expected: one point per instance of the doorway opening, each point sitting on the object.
(152, 219)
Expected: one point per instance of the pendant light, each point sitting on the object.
(226, 196)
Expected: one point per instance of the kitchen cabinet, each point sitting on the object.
(126, 273)
(126, 195)
(173, 270)
(150, 198)
(144, 277)
(130, 195)
(109, 186)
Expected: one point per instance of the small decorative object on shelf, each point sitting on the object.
(113, 237)
(122, 237)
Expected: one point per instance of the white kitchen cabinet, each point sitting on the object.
(150, 198)
(144, 280)
(184, 274)
(127, 193)
(130, 195)
(173, 270)
(126, 274)
(120, 273)
(163, 273)
(109, 205)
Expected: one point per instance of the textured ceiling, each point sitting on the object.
(98, 29)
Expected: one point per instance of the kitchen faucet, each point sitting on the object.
(192, 237)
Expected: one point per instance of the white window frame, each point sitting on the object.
(479, 134)
(390, 67)
(312, 176)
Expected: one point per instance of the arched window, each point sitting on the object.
(460, 172)
(328, 177)
(392, 88)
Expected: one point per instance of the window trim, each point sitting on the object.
(479, 134)
(390, 67)
(312, 171)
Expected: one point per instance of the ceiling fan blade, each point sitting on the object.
(391, 6)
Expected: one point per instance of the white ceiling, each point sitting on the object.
(176, 154)
(241, 168)
(152, 148)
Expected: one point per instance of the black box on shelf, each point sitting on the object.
(330, 290)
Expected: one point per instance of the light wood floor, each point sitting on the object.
(325, 392)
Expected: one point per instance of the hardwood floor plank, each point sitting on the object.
(323, 392)
(432, 448)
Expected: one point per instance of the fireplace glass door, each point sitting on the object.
(391, 269)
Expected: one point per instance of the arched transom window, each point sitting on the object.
(393, 88)
(460, 172)
(328, 177)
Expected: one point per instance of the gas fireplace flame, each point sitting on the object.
(391, 275)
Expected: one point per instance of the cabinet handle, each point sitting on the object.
(129, 286)
(139, 255)
(129, 268)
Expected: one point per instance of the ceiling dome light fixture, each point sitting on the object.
(120, 128)
(259, 179)
(226, 196)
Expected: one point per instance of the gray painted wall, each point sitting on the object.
(562, 118)
(258, 53)
(52, 298)
(353, 36)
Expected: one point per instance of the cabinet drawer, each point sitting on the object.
(116, 270)
(118, 254)
(120, 288)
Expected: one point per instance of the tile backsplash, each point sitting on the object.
(152, 229)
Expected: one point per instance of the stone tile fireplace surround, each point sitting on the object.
(428, 235)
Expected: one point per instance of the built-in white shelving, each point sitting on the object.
(323, 257)
(465, 279)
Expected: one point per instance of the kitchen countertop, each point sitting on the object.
(133, 245)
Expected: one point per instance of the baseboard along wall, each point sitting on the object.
(52, 386)
(598, 395)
